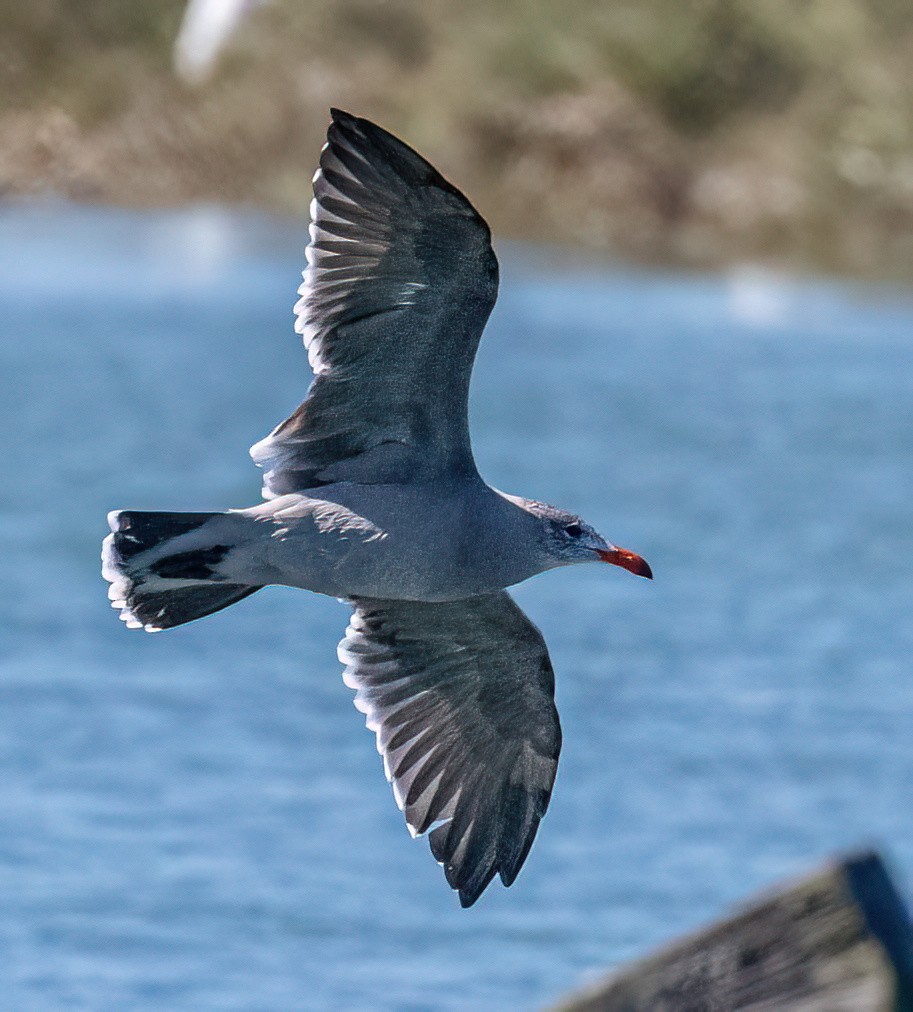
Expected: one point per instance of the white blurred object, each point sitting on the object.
(205, 30)
(758, 296)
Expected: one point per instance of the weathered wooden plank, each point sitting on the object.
(837, 941)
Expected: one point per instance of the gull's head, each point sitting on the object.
(568, 540)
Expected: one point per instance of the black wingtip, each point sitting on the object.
(346, 122)
(472, 890)
(341, 116)
(380, 147)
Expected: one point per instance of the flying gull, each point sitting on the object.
(373, 496)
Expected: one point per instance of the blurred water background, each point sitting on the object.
(200, 820)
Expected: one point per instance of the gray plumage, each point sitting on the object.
(400, 280)
(461, 697)
(372, 495)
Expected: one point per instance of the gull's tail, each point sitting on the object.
(164, 568)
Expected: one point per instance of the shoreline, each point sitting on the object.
(763, 145)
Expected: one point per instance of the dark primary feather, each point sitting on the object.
(400, 281)
(461, 697)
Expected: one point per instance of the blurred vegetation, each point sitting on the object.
(686, 131)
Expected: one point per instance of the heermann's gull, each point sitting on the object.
(373, 496)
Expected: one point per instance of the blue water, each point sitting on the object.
(200, 820)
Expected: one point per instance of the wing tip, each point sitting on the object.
(471, 892)
(348, 125)
(338, 115)
(467, 899)
(501, 831)
(393, 157)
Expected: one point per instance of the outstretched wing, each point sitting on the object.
(461, 697)
(400, 280)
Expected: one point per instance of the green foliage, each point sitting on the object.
(75, 52)
(705, 62)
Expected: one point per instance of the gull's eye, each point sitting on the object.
(574, 530)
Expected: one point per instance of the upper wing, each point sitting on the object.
(461, 696)
(401, 278)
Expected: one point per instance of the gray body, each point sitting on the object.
(439, 542)
(372, 495)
